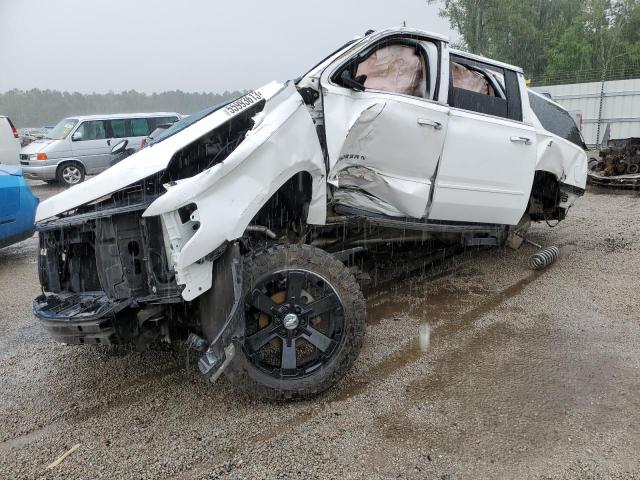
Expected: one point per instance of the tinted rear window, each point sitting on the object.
(120, 128)
(140, 127)
(188, 121)
(556, 120)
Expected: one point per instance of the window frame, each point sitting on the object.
(512, 100)
(411, 39)
(127, 127)
(146, 121)
(81, 124)
(369, 52)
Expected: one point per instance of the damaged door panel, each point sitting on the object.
(229, 230)
(398, 173)
(385, 140)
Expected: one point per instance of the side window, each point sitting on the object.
(395, 68)
(93, 130)
(472, 80)
(140, 127)
(154, 122)
(556, 120)
(120, 128)
(484, 88)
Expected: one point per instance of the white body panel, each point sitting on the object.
(228, 195)
(555, 155)
(486, 172)
(9, 144)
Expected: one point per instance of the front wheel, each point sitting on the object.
(70, 174)
(303, 324)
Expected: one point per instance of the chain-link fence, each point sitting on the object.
(623, 71)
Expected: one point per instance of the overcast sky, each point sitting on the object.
(191, 45)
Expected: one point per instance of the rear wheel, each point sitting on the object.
(70, 174)
(304, 323)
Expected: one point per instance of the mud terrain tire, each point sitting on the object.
(280, 261)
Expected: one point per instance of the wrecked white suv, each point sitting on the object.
(227, 231)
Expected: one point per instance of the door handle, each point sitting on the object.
(109, 142)
(525, 140)
(425, 122)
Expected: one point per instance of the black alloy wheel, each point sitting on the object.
(304, 323)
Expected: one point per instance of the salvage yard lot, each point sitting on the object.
(529, 375)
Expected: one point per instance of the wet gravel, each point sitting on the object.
(528, 376)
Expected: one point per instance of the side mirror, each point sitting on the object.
(356, 84)
(77, 136)
(119, 147)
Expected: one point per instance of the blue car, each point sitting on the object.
(17, 206)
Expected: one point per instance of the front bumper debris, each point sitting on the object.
(86, 318)
(624, 181)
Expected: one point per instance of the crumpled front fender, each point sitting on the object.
(228, 195)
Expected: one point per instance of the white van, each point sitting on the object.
(9, 142)
(81, 145)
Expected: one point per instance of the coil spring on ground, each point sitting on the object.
(543, 258)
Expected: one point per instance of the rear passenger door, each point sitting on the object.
(488, 161)
(140, 128)
(120, 129)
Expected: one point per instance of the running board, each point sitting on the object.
(351, 214)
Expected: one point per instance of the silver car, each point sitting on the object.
(81, 145)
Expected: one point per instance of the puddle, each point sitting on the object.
(427, 304)
(472, 315)
(445, 304)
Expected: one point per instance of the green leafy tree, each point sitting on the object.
(551, 38)
(603, 39)
(514, 31)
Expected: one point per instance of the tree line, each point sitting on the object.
(35, 108)
(553, 40)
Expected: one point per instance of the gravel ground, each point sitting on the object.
(528, 376)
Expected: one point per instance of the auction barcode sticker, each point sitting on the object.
(243, 103)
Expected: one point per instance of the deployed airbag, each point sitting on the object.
(467, 79)
(395, 68)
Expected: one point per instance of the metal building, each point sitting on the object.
(596, 104)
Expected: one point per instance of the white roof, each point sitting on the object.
(480, 58)
(123, 115)
(406, 30)
(444, 38)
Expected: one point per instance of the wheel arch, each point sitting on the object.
(545, 196)
(67, 161)
(289, 203)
